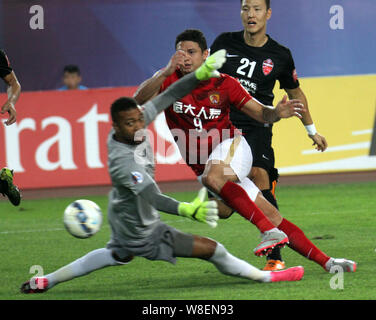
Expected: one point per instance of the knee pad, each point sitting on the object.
(121, 260)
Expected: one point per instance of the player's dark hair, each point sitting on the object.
(192, 35)
(122, 104)
(267, 2)
(72, 68)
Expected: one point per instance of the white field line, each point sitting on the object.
(361, 132)
(60, 229)
(31, 231)
(345, 147)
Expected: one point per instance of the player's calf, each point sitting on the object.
(268, 209)
(203, 248)
(275, 261)
(224, 211)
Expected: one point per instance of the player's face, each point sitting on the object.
(71, 80)
(129, 126)
(194, 57)
(254, 15)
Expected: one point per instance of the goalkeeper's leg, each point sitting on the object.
(228, 264)
(94, 260)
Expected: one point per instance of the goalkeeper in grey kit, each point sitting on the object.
(135, 198)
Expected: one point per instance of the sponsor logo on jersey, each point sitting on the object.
(295, 75)
(250, 86)
(137, 177)
(267, 66)
(215, 98)
(195, 112)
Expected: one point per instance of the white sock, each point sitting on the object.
(328, 264)
(226, 263)
(94, 260)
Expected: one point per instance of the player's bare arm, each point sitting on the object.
(284, 109)
(14, 90)
(317, 138)
(150, 87)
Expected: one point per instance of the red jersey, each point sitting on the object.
(200, 120)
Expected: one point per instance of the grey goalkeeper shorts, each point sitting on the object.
(165, 243)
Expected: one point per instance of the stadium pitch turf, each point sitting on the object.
(339, 218)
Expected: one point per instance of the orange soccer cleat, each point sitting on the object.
(274, 265)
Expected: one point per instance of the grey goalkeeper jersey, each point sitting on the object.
(131, 169)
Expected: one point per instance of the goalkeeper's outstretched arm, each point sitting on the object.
(158, 200)
(184, 86)
(198, 209)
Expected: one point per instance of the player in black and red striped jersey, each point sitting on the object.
(225, 172)
(14, 89)
(258, 61)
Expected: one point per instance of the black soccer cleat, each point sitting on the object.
(7, 188)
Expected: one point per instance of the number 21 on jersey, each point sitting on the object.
(244, 65)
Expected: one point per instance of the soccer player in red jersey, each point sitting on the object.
(199, 115)
(203, 117)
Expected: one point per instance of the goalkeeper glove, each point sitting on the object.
(200, 210)
(209, 68)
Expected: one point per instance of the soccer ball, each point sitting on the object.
(83, 218)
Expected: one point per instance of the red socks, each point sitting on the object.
(237, 198)
(301, 244)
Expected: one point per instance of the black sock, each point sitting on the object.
(3, 186)
(276, 252)
(269, 196)
(275, 255)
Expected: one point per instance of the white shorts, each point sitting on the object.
(237, 153)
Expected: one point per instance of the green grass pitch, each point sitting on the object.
(342, 215)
